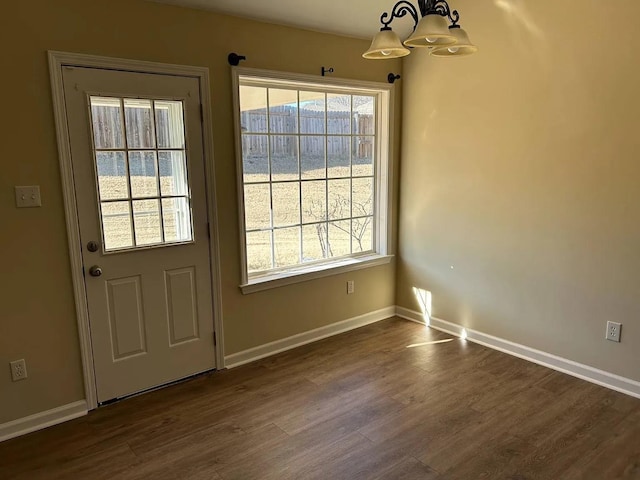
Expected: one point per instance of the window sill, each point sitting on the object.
(304, 274)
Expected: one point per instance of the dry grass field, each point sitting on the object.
(300, 203)
(146, 213)
(315, 240)
(323, 207)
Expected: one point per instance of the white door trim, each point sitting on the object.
(58, 60)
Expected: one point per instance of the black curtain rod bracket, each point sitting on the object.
(391, 78)
(326, 70)
(234, 59)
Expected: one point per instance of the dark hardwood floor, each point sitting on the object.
(381, 402)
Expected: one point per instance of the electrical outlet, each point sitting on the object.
(351, 288)
(613, 331)
(18, 370)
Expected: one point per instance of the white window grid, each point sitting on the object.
(272, 229)
(126, 149)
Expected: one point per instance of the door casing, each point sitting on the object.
(59, 60)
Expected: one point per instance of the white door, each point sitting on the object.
(139, 175)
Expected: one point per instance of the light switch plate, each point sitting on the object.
(28, 196)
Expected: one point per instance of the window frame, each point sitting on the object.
(383, 168)
(127, 150)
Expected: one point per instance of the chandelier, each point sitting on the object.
(430, 30)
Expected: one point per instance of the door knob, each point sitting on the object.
(95, 271)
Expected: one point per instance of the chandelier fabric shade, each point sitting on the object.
(430, 30)
(462, 46)
(386, 44)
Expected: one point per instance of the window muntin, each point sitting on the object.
(309, 159)
(141, 172)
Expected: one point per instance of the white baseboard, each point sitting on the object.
(621, 384)
(41, 420)
(412, 315)
(584, 372)
(268, 349)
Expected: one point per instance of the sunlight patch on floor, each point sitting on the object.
(430, 343)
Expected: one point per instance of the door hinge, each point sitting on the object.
(209, 230)
(215, 340)
(201, 113)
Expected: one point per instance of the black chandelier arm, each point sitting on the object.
(439, 7)
(399, 10)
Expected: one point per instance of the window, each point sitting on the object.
(141, 170)
(313, 174)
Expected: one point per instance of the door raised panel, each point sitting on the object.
(126, 317)
(182, 304)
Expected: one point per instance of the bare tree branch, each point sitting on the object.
(341, 209)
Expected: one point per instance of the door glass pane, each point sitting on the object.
(148, 171)
(253, 109)
(283, 111)
(144, 177)
(339, 238)
(112, 175)
(314, 201)
(173, 173)
(139, 123)
(338, 114)
(106, 118)
(169, 124)
(176, 215)
(258, 251)
(287, 246)
(116, 225)
(146, 221)
(312, 112)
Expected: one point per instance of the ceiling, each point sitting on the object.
(354, 18)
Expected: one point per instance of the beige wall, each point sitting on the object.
(37, 316)
(520, 169)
